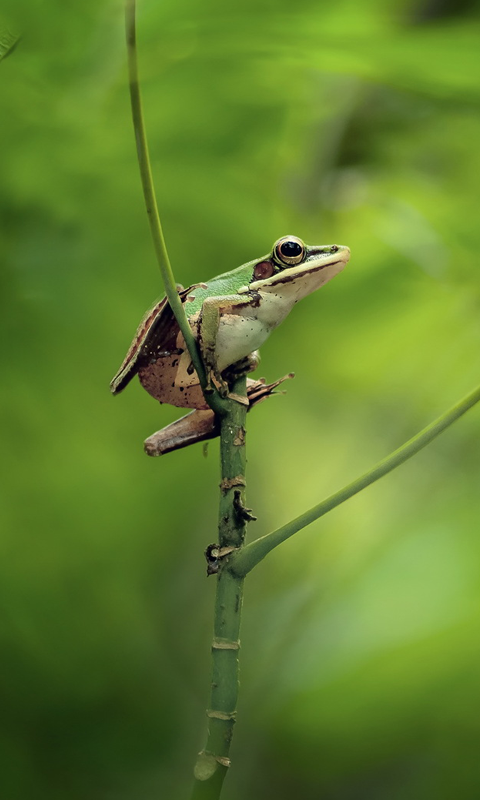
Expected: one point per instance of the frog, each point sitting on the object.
(231, 316)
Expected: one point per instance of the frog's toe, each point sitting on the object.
(223, 389)
(244, 366)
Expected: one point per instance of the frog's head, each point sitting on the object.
(294, 269)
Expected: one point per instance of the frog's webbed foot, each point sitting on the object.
(242, 367)
(222, 386)
(221, 382)
(215, 382)
(235, 371)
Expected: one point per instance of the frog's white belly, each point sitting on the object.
(240, 334)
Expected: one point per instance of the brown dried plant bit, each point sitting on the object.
(228, 483)
(240, 437)
(241, 510)
(214, 555)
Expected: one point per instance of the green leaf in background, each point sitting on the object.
(8, 41)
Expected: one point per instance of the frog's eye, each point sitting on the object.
(264, 269)
(289, 250)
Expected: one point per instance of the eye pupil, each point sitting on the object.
(290, 249)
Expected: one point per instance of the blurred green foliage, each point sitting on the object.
(338, 122)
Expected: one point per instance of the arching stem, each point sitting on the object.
(241, 563)
(213, 399)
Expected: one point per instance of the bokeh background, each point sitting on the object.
(356, 123)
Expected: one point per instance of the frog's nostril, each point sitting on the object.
(334, 248)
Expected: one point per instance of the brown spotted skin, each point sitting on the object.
(165, 370)
(128, 367)
(160, 358)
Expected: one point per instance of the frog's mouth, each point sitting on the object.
(313, 272)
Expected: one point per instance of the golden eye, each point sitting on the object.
(264, 269)
(289, 250)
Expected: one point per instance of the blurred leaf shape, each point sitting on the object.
(8, 41)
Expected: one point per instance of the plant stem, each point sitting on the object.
(213, 762)
(213, 399)
(241, 563)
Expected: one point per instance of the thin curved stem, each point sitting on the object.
(152, 209)
(242, 562)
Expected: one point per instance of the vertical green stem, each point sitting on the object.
(213, 762)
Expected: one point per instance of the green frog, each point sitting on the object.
(231, 316)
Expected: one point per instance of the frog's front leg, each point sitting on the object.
(212, 310)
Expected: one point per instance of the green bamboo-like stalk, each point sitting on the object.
(213, 762)
(241, 563)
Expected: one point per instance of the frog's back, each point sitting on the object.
(221, 286)
(159, 356)
(157, 329)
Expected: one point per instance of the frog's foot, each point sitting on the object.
(242, 367)
(222, 387)
(215, 382)
(210, 386)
